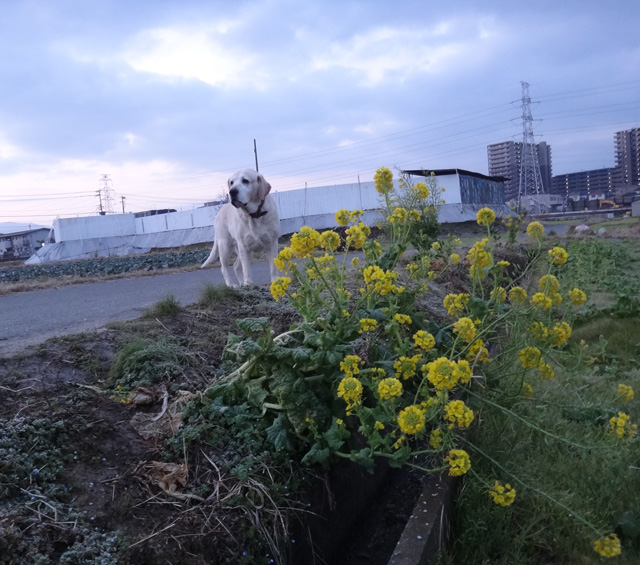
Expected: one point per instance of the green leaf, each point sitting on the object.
(256, 395)
(278, 434)
(363, 457)
(253, 325)
(317, 456)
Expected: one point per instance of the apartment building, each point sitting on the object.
(627, 149)
(505, 159)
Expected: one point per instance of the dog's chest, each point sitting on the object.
(257, 240)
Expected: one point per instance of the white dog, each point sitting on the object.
(249, 223)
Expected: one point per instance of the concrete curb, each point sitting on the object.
(427, 529)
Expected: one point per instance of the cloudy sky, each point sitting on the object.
(167, 96)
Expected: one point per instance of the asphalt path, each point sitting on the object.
(29, 318)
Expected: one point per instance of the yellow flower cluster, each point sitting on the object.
(625, 392)
(383, 180)
(456, 303)
(479, 258)
(454, 258)
(279, 287)
(402, 319)
(421, 189)
(458, 414)
(549, 285)
(350, 365)
(478, 353)
(558, 256)
(405, 367)
(343, 217)
(381, 282)
(284, 259)
(535, 230)
(411, 419)
(368, 325)
(560, 333)
(517, 295)
(399, 216)
(527, 390)
(466, 329)
(350, 389)
(445, 374)
(329, 240)
(539, 331)
(577, 296)
(357, 235)
(389, 388)
(530, 357)
(608, 546)
(424, 340)
(435, 438)
(623, 426)
(305, 242)
(504, 495)
(485, 216)
(459, 462)
(542, 300)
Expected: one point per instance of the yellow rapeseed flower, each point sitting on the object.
(558, 256)
(279, 287)
(383, 180)
(539, 331)
(284, 259)
(535, 230)
(444, 373)
(368, 325)
(435, 438)
(399, 216)
(389, 388)
(622, 425)
(465, 328)
(517, 295)
(350, 365)
(542, 300)
(504, 495)
(560, 333)
(530, 357)
(411, 420)
(357, 235)
(546, 372)
(527, 390)
(458, 414)
(459, 462)
(456, 303)
(329, 240)
(548, 284)
(485, 216)
(421, 189)
(454, 258)
(625, 392)
(405, 367)
(577, 296)
(608, 546)
(305, 242)
(402, 319)
(478, 353)
(350, 389)
(424, 340)
(342, 217)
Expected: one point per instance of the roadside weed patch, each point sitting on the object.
(366, 363)
(168, 307)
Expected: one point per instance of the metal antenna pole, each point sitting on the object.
(530, 177)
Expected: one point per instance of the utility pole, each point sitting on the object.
(255, 152)
(123, 198)
(530, 177)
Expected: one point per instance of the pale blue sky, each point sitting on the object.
(167, 96)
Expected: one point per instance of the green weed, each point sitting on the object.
(168, 307)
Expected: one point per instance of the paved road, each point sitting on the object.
(30, 318)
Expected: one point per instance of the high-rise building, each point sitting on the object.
(505, 161)
(627, 147)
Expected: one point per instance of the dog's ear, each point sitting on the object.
(263, 187)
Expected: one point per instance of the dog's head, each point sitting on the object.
(248, 189)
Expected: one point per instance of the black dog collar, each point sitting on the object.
(259, 212)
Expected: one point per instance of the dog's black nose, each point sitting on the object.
(233, 193)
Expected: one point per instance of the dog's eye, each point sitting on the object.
(245, 181)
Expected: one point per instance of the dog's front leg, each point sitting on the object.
(242, 267)
(272, 254)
